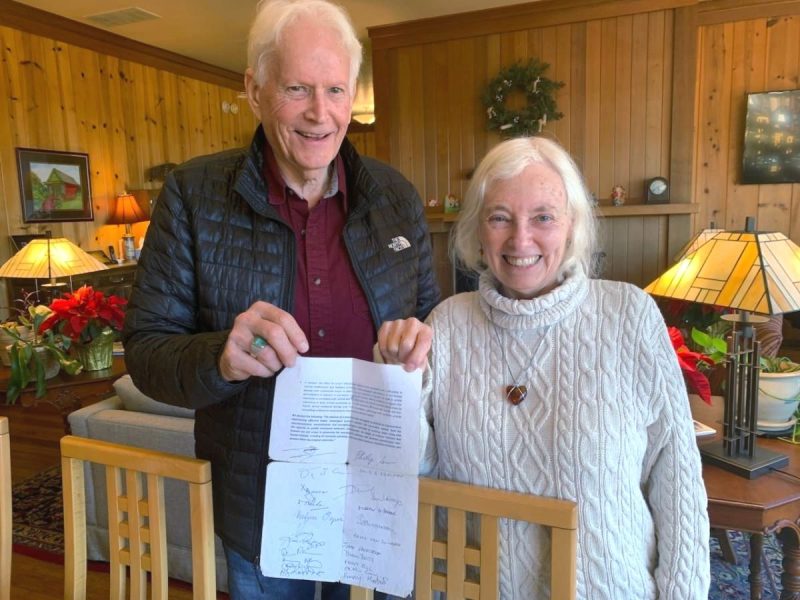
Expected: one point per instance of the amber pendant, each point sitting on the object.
(516, 393)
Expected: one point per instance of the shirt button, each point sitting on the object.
(321, 333)
(302, 233)
(317, 281)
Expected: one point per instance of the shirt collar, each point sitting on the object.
(278, 190)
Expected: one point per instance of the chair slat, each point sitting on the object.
(134, 490)
(424, 558)
(156, 533)
(117, 545)
(456, 542)
(490, 555)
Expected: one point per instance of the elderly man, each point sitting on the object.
(294, 246)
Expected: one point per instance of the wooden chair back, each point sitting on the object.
(459, 499)
(136, 518)
(5, 511)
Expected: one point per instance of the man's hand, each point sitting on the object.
(405, 342)
(264, 339)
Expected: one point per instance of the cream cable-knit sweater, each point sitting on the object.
(606, 423)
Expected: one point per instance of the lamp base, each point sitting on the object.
(128, 247)
(763, 460)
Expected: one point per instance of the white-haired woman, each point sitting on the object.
(547, 382)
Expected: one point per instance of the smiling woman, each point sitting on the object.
(545, 377)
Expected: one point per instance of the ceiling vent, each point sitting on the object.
(124, 16)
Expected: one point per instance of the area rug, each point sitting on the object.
(38, 515)
(729, 582)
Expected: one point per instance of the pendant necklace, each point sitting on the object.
(515, 392)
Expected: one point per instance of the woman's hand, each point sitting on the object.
(263, 340)
(405, 342)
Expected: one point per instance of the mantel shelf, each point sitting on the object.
(647, 210)
(441, 221)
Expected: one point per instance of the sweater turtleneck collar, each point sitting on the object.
(541, 311)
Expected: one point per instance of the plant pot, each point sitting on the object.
(50, 362)
(6, 340)
(97, 354)
(778, 396)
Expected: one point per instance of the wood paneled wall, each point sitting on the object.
(760, 51)
(126, 116)
(618, 64)
(651, 88)
(617, 98)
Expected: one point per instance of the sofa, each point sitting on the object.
(130, 417)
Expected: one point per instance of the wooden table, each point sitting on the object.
(768, 504)
(68, 393)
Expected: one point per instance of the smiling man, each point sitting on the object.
(295, 245)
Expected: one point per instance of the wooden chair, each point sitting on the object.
(5, 511)
(459, 499)
(137, 536)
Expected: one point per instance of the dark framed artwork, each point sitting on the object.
(54, 186)
(18, 242)
(772, 138)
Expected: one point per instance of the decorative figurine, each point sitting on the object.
(451, 204)
(618, 195)
(433, 203)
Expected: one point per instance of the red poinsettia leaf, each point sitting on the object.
(699, 383)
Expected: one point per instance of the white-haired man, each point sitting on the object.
(296, 245)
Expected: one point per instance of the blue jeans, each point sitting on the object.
(245, 582)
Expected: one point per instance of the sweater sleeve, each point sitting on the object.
(672, 476)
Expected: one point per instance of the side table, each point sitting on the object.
(768, 504)
(68, 393)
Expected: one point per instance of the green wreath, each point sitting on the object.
(538, 90)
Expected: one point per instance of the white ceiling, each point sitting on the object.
(215, 31)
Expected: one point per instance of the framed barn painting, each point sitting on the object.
(54, 186)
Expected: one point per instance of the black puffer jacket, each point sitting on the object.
(215, 246)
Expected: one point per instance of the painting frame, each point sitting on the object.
(54, 186)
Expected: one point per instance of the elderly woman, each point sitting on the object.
(547, 382)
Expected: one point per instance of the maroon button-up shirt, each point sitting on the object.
(329, 304)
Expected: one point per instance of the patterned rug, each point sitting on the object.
(38, 515)
(38, 531)
(729, 582)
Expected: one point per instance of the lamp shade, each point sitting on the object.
(748, 271)
(697, 241)
(66, 259)
(126, 211)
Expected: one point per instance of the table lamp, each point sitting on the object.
(48, 259)
(127, 212)
(750, 272)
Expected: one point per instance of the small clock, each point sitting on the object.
(657, 191)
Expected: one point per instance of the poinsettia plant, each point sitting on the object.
(691, 363)
(84, 314)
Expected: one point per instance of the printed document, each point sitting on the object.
(341, 496)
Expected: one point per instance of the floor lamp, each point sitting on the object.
(755, 274)
(50, 259)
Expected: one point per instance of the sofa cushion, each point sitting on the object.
(133, 399)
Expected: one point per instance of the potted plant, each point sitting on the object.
(17, 326)
(89, 320)
(35, 358)
(778, 393)
(694, 365)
